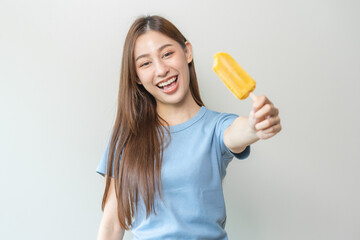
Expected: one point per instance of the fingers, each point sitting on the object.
(268, 123)
(269, 132)
(263, 108)
(264, 117)
(259, 102)
(266, 110)
(266, 136)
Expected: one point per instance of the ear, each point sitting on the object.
(188, 52)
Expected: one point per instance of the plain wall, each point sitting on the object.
(59, 73)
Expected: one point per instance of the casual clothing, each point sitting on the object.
(194, 165)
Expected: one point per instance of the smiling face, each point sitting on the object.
(162, 68)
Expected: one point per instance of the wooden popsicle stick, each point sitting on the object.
(253, 96)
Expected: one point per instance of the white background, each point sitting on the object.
(59, 73)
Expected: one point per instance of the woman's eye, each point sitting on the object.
(168, 54)
(144, 64)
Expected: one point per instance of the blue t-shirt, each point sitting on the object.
(194, 165)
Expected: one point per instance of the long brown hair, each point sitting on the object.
(138, 138)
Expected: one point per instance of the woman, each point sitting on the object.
(167, 155)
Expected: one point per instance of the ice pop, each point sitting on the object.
(240, 83)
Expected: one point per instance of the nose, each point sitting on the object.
(161, 69)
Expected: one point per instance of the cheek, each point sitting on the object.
(185, 68)
(145, 76)
(180, 63)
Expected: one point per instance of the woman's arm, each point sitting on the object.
(109, 226)
(263, 123)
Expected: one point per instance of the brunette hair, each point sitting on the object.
(138, 137)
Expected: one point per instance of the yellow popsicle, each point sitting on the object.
(240, 83)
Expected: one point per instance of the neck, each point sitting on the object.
(177, 114)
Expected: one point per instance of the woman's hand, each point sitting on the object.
(263, 123)
(264, 118)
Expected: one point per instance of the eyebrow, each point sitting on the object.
(160, 48)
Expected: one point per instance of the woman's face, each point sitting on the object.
(162, 68)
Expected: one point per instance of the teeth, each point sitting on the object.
(167, 82)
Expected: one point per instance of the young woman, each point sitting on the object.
(167, 155)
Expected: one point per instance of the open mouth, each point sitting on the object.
(168, 84)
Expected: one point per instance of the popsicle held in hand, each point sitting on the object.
(240, 83)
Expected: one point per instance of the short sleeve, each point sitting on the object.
(244, 154)
(102, 166)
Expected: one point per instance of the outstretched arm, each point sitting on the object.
(263, 123)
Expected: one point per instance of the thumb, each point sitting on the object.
(252, 120)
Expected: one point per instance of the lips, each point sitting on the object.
(169, 85)
(167, 82)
